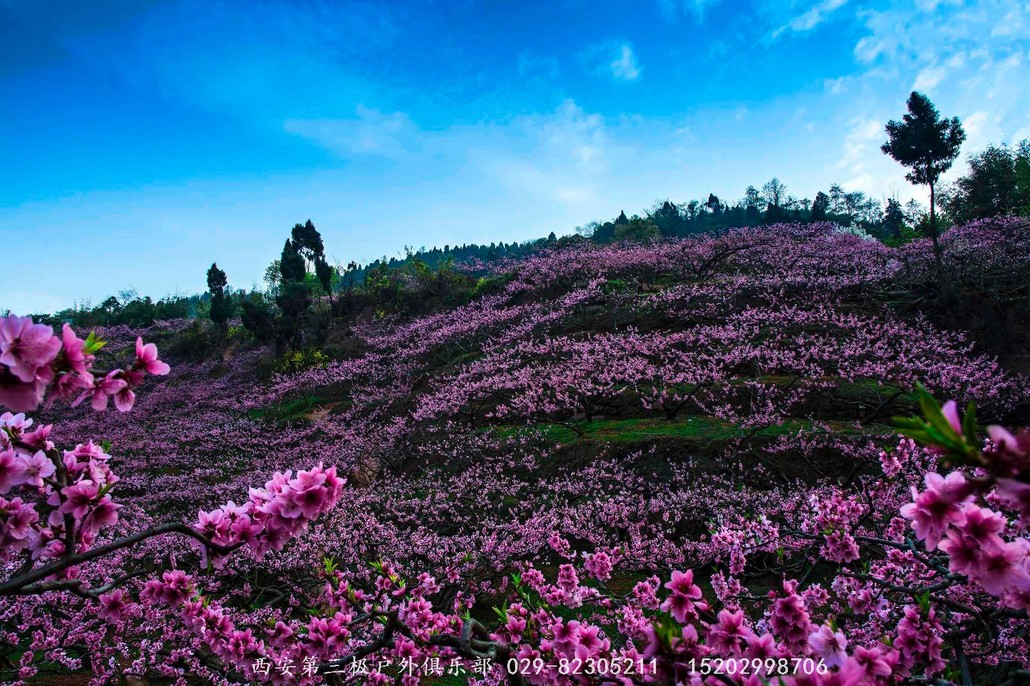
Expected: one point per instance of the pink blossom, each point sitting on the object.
(12, 470)
(938, 506)
(310, 502)
(919, 639)
(172, 589)
(1016, 494)
(27, 349)
(146, 357)
(35, 468)
(761, 647)
(1005, 441)
(567, 578)
(599, 564)
(686, 597)
(950, 412)
(1003, 567)
(78, 498)
(124, 399)
(104, 514)
(729, 635)
(840, 547)
(113, 605)
(108, 386)
(788, 619)
(75, 355)
(873, 662)
(829, 645)
(19, 395)
(16, 518)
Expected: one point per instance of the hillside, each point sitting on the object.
(651, 401)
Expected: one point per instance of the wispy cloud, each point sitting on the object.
(612, 59)
(262, 63)
(810, 19)
(928, 78)
(298, 108)
(625, 67)
(371, 132)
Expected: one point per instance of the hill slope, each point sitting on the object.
(642, 400)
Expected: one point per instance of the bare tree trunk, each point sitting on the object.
(937, 256)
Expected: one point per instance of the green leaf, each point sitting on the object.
(93, 344)
(969, 425)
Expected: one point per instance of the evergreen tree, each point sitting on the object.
(257, 319)
(927, 145)
(752, 205)
(294, 296)
(221, 306)
(893, 219)
(667, 217)
(820, 206)
(308, 241)
(997, 183)
(291, 264)
(713, 204)
(324, 273)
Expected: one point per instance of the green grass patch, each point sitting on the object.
(287, 411)
(699, 428)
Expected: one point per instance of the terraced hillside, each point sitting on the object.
(671, 405)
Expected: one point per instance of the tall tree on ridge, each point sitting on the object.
(928, 145)
(221, 307)
(820, 206)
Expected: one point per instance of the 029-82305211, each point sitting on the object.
(591, 666)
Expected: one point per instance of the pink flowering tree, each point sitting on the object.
(889, 604)
(57, 506)
(804, 557)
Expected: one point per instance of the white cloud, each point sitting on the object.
(625, 67)
(863, 137)
(371, 132)
(959, 53)
(611, 59)
(835, 86)
(560, 156)
(1013, 24)
(867, 49)
(981, 130)
(928, 78)
(686, 133)
(811, 18)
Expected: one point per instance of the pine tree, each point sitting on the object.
(820, 206)
(221, 306)
(928, 145)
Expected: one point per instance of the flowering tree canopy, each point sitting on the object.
(668, 463)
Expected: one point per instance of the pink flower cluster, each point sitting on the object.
(32, 359)
(274, 514)
(764, 328)
(945, 515)
(74, 506)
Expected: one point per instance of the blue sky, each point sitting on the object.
(140, 140)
